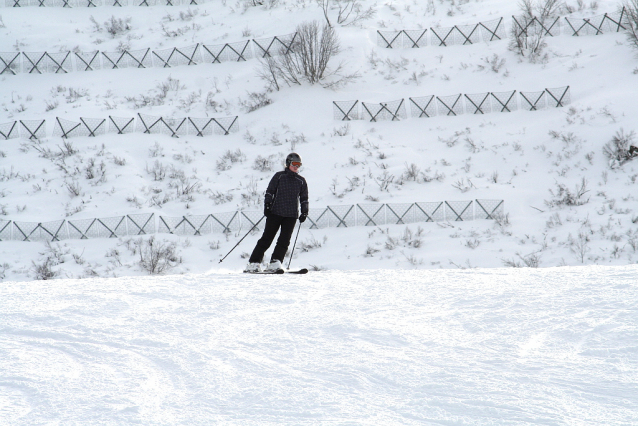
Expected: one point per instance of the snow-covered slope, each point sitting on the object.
(531, 160)
(360, 339)
(549, 346)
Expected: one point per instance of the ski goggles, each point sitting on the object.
(296, 163)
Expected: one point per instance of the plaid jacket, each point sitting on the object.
(284, 189)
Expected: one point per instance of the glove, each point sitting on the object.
(267, 207)
(302, 217)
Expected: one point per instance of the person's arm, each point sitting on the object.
(303, 198)
(271, 191)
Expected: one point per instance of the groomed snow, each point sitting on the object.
(373, 338)
(553, 346)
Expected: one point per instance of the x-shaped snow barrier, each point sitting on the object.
(169, 58)
(453, 105)
(600, 24)
(272, 46)
(175, 127)
(127, 59)
(339, 216)
(403, 39)
(33, 129)
(443, 36)
(346, 110)
(494, 30)
(86, 127)
(12, 63)
(112, 227)
(203, 224)
(229, 52)
(524, 26)
(97, 3)
(9, 130)
(392, 110)
(47, 62)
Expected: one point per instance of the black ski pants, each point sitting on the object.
(273, 223)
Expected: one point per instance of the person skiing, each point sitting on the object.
(285, 191)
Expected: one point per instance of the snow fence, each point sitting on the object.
(340, 216)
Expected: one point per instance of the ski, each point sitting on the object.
(275, 272)
(279, 271)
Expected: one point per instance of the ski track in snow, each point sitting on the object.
(552, 346)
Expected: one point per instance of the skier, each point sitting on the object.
(286, 189)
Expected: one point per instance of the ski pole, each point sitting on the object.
(251, 230)
(293, 246)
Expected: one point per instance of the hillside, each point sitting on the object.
(564, 203)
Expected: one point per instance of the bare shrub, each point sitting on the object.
(502, 222)
(307, 60)
(632, 239)
(349, 12)
(185, 188)
(370, 251)
(53, 256)
(158, 170)
(579, 245)
(411, 172)
(116, 27)
(268, 4)
(156, 257)
(563, 196)
(264, 164)
(44, 271)
(156, 150)
(311, 243)
(73, 95)
(170, 85)
(229, 158)
(531, 42)
(413, 239)
(631, 22)
(67, 149)
(531, 260)
(427, 177)
(618, 150)
(384, 181)
(120, 161)
(391, 243)
(4, 267)
(255, 101)
(220, 197)
(294, 139)
(252, 195)
(463, 184)
(51, 105)
(495, 63)
(341, 131)
(73, 186)
(472, 243)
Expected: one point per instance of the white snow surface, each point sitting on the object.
(549, 346)
(414, 324)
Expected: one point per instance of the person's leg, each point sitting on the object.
(270, 230)
(287, 228)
